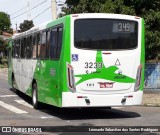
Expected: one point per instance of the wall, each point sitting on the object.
(152, 76)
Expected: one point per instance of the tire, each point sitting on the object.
(14, 85)
(35, 96)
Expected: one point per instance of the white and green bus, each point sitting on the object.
(80, 60)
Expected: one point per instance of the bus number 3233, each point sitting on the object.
(93, 64)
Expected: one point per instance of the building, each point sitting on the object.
(5, 35)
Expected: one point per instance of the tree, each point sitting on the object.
(150, 11)
(118, 7)
(83, 6)
(5, 23)
(26, 25)
(147, 9)
(2, 43)
(3, 46)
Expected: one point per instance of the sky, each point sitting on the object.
(40, 10)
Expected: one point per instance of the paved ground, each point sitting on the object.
(151, 99)
(16, 110)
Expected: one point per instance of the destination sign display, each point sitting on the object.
(123, 26)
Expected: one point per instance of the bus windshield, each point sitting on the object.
(105, 34)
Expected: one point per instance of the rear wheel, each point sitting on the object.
(14, 85)
(35, 96)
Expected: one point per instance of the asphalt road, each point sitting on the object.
(16, 110)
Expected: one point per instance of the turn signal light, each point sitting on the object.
(71, 79)
(138, 78)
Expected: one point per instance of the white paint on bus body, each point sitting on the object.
(23, 72)
(129, 60)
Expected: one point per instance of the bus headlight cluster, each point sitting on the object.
(138, 78)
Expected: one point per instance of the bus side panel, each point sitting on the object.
(142, 55)
(66, 54)
(49, 76)
(31, 65)
(47, 82)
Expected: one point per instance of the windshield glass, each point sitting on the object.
(105, 34)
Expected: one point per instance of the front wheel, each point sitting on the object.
(35, 96)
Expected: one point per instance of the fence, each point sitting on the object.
(152, 76)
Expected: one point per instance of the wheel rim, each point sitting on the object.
(14, 83)
(34, 97)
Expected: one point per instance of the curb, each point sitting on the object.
(151, 105)
(152, 90)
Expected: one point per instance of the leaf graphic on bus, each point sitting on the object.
(105, 73)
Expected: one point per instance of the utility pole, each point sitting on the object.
(54, 9)
(28, 10)
(16, 28)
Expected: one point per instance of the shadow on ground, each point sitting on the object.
(81, 113)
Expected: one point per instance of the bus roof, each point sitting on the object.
(35, 28)
(81, 15)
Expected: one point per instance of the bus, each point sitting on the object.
(80, 60)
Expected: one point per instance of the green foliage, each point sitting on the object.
(3, 44)
(5, 23)
(1, 32)
(117, 6)
(4, 61)
(147, 9)
(83, 6)
(3, 66)
(152, 20)
(60, 15)
(26, 25)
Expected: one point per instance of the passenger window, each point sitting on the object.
(43, 46)
(22, 48)
(25, 47)
(29, 47)
(34, 50)
(56, 43)
(16, 48)
(38, 41)
(48, 43)
(53, 43)
(19, 48)
(59, 42)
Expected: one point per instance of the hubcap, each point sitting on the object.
(34, 96)
(14, 83)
